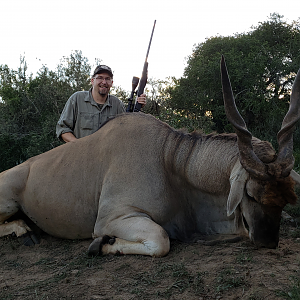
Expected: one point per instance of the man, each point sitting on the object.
(85, 111)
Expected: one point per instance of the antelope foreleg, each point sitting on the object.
(135, 235)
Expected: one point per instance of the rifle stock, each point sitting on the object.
(142, 85)
(135, 82)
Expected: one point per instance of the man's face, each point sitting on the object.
(102, 83)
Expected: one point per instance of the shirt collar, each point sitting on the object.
(93, 102)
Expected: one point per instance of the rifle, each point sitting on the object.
(135, 81)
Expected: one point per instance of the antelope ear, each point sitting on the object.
(296, 177)
(238, 178)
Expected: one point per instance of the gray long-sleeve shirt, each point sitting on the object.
(82, 116)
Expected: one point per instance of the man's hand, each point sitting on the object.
(68, 137)
(142, 100)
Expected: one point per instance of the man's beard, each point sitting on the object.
(103, 91)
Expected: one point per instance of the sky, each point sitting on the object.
(118, 31)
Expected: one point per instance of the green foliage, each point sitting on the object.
(30, 107)
(261, 64)
(293, 210)
(294, 293)
(228, 279)
(297, 153)
(180, 278)
(11, 151)
(120, 93)
(244, 257)
(76, 71)
(160, 104)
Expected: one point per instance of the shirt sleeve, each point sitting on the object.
(67, 118)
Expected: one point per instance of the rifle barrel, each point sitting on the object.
(150, 41)
(137, 106)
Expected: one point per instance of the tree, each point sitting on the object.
(262, 65)
(160, 105)
(30, 107)
(15, 109)
(75, 70)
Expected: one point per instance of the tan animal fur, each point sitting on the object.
(137, 182)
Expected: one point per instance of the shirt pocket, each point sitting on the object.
(87, 121)
(107, 114)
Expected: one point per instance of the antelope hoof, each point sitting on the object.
(30, 239)
(96, 246)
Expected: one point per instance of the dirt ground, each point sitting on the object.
(61, 269)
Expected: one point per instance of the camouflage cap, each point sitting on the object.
(103, 69)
